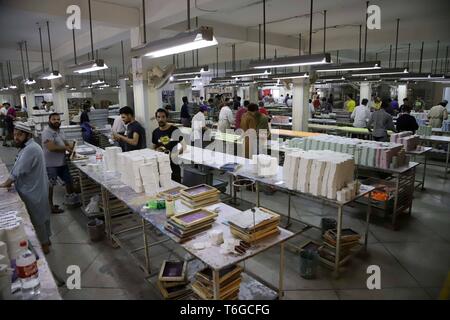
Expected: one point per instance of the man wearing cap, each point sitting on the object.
(29, 177)
(438, 114)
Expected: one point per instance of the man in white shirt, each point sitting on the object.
(199, 123)
(361, 115)
(118, 126)
(289, 101)
(225, 118)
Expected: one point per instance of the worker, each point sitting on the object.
(290, 101)
(312, 111)
(326, 106)
(225, 118)
(3, 111)
(199, 125)
(376, 104)
(254, 120)
(44, 105)
(184, 113)
(419, 105)
(165, 138)
(381, 122)
(87, 130)
(438, 114)
(316, 102)
(134, 136)
(406, 122)
(9, 122)
(242, 110)
(350, 104)
(237, 103)
(395, 106)
(361, 115)
(262, 109)
(30, 180)
(55, 146)
(404, 105)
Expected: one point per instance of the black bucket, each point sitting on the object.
(328, 224)
(96, 230)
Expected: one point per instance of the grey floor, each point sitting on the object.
(414, 261)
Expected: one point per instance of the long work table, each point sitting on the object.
(10, 201)
(251, 288)
(216, 160)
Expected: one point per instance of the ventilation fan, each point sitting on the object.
(158, 77)
(60, 84)
(287, 83)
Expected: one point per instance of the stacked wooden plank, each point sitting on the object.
(254, 225)
(200, 196)
(187, 225)
(349, 240)
(229, 283)
(172, 281)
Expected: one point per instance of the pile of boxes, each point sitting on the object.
(321, 173)
(142, 170)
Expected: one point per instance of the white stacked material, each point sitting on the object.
(110, 157)
(98, 118)
(72, 133)
(266, 166)
(13, 233)
(145, 170)
(425, 131)
(280, 119)
(321, 173)
(365, 153)
(446, 125)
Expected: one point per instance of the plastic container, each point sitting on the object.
(27, 271)
(96, 229)
(170, 207)
(309, 261)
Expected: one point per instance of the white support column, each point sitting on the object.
(29, 94)
(123, 100)
(60, 100)
(300, 108)
(253, 94)
(402, 93)
(365, 91)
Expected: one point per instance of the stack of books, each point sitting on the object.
(229, 283)
(172, 280)
(349, 240)
(187, 225)
(255, 224)
(199, 196)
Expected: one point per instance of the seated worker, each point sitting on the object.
(164, 139)
(134, 138)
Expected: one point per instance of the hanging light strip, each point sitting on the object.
(296, 61)
(249, 73)
(189, 71)
(380, 72)
(375, 65)
(294, 75)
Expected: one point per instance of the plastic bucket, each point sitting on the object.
(327, 224)
(96, 229)
(308, 264)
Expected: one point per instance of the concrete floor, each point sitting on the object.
(414, 261)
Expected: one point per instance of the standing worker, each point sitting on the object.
(55, 146)
(184, 114)
(225, 118)
(381, 122)
(30, 180)
(438, 114)
(350, 104)
(361, 115)
(9, 122)
(406, 122)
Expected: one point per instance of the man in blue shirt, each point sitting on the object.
(184, 114)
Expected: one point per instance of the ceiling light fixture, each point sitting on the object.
(381, 72)
(249, 73)
(350, 67)
(294, 75)
(296, 61)
(191, 40)
(53, 74)
(189, 71)
(424, 77)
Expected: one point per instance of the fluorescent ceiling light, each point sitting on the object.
(105, 85)
(296, 61)
(381, 72)
(186, 79)
(89, 66)
(30, 81)
(189, 71)
(295, 75)
(73, 89)
(51, 76)
(425, 77)
(13, 87)
(249, 73)
(374, 65)
(124, 77)
(187, 41)
(98, 82)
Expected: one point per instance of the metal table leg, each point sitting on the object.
(446, 160)
(288, 223)
(338, 243)
(281, 279)
(369, 212)
(216, 284)
(147, 256)
(257, 193)
(394, 213)
(424, 170)
(107, 213)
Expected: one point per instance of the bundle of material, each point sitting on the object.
(280, 119)
(200, 196)
(187, 225)
(407, 139)
(425, 131)
(322, 173)
(110, 157)
(446, 125)
(229, 283)
(265, 165)
(349, 240)
(172, 280)
(254, 225)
